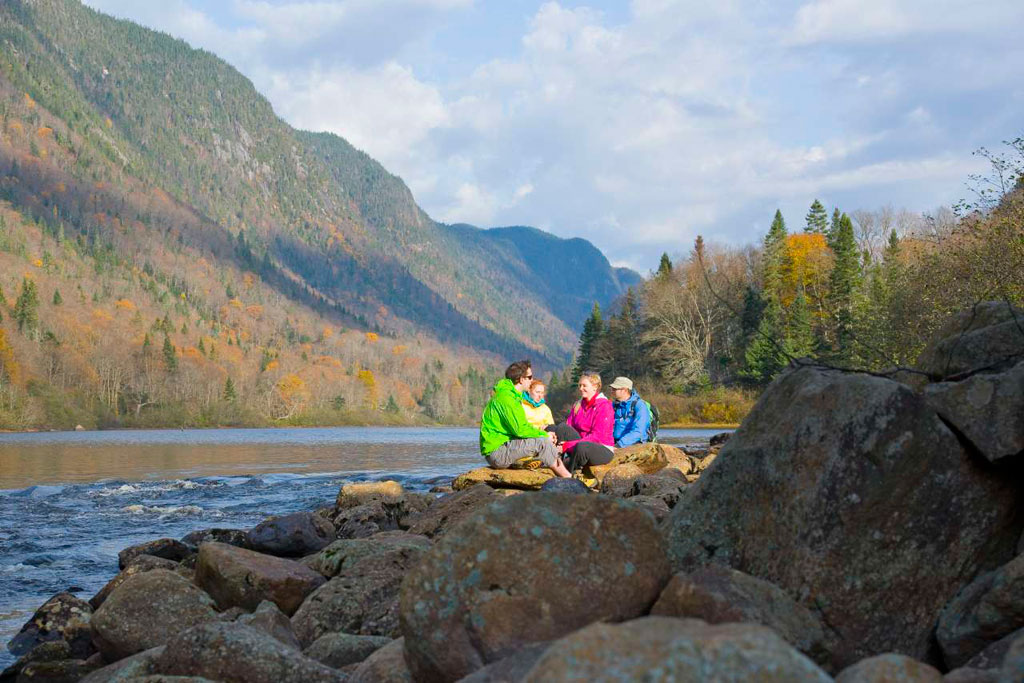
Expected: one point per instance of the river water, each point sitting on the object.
(70, 501)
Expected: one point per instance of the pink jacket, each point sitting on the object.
(595, 421)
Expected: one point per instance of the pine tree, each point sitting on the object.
(146, 344)
(392, 405)
(844, 283)
(229, 394)
(665, 267)
(201, 347)
(765, 356)
(26, 308)
(817, 219)
(750, 320)
(833, 228)
(57, 298)
(170, 357)
(800, 339)
(775, 257)
(593, 330)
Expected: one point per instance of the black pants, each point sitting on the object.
(585, 452)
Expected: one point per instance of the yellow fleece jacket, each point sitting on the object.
(538, 417)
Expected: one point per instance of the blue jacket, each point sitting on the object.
(632, 418)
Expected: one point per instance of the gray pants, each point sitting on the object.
(514, 449)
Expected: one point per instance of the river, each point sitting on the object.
(69, 501)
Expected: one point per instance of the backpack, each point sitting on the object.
(652, 426)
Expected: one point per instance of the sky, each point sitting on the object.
(637, 125)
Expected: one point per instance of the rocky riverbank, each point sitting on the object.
(861, 527)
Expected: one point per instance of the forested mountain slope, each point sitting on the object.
(135, 168)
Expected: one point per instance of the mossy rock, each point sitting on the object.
(527, 480)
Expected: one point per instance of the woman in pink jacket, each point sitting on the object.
(593, 418)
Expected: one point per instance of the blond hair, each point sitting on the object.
(593, 377)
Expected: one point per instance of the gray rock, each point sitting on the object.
(62, 617)
(236, 577)
(137, 565)
(511, 669)
(889, 668)
(969, 675)
(991, 658)
(664, 485)
(857, 501)
(450, 510)
(272, 621)
(988, 335)
(57, 671)
(341, 649)
(386, 665)
(565, 485)
(986, 408)
(236, 537)
(720, 595)
(136, 666)
(989, 608)
(161, 678)
(146, 610)
(294, 535)
(1013, 663)
(619, 480)
(527, 569)
(656, 506)
(49, 651)
(362, 598)
(167, 548)
(666, 649)
(720, 439)
(236, 653)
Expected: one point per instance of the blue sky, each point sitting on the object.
(637, 125)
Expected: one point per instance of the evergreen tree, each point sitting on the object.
(765, 357)
(775, 257)
(817, 219)
(146, 344)
(229, 394)
(833, 228)
(392, 405)
(619, 351)
(201, 347)
(593, 330)
(665, 267)
(844, 283)
(801, 341)
(170, 357)
(750, 320)
(57, 298)
(3, 298)
(26, 308)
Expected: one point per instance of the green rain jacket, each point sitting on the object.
(504, 419)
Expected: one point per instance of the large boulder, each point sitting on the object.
(665, 649)
(527, 569)
(857, 501)
(362, 596)
(511, 669)
(294, 535)
(128, 669)
(236, 577)
(986, 408)
(341, 649)
(236, 653)
(360, 493)
(649, 457)
(565, 485)
(888, 668)
(986, 336)
(720, 595)
(137, 565)
(146, 610)
(63, 617)
(989, 608)
(618, 481)
(386, 665)
(527, 480)
(166, 548)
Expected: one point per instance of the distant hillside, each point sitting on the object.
(132, 164)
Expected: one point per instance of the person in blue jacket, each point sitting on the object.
(632, 417)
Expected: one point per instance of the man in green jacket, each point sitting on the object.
(505, 435)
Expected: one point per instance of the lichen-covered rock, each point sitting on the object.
(376, 513)
(649, 457)
(236, 653)
(236, 537)
(62, 617)
(989, 608)
(294, 535)
(341, 649)
(127, 669)
(137, 565)
(386, 665)
(236, 577)
(666, 649)
(352, 495)
(527, 480)
(527, 569)
(362, 598)
(146, 610)
(49, 651)
(618, 481)
(889, 668)
(986, 408)
(167, 548)
(272, 621)
(857, 501)
(985, 336)
(721, 595)
(56, 671)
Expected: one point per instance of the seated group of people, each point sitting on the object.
(517, 423)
